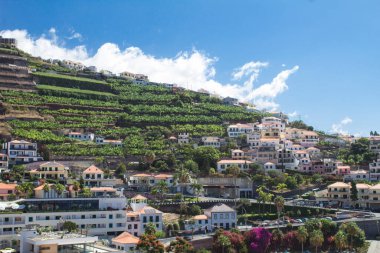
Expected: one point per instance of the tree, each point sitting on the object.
(76, 187)
(161, 188)
(150, 156)
(86, 192)
(182, 177)
(180, 245)
(148, 243)
(291, 183)
(59, 189)
(46, 189)
(120, 170)
(328, 227)
(150, 229)
(276, 239)
(279, 203)
(340, 240)
(313, 224)
(195, 210)
(316, 239)
(354, 191)
(281, 187)
(302, 235)
(258, 239)
(355, 234)
(69, 226)
(206, 157)
(234, 171)
(192, 166)
(197, 188)
(223, 242)
(290, 240)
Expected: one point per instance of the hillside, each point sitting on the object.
(143, 116)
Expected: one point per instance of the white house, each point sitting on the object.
(374, 170)
(269, 166)
(239, 129)
(102, 141)
(142, 214)
(221, 216)
(212, 141)
(356, 175)
(183, 138)
(222, 165)
(93, 176)
(125, 242)
(20, 151)
(81, 136)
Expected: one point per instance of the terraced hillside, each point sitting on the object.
(143, 116)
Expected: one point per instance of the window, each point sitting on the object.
(221, 216)
(30, 219)
(135, 226)
(157, 218)
(215, 216)
(150, 218)
(110, 225)
(110, 216)
(144, 219)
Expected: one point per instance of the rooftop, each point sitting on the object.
(93, 170)
(126, 238)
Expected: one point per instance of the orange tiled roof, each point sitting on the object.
(93, 170)
(126, 238)
(4, 186)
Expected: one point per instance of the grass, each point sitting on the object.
(74, 78)
(73, 90)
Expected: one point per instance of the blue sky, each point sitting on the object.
(335, 43)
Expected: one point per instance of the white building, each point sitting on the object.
(222, 165)
(3, 163)
(218, 216)
(374, 170)
(56, 242)
(81, 136)
(221, 216)
(102, 141)
(144, 181)
(96, 216)
(183, 138)
(51, 170)
(239, 129)
(269, 166)
(356, 175)
(125, 242)
(20, 151)
(142, 214)
(253, 139)
(212, 141)
(93, 176)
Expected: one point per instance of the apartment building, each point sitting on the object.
(51, 170)
(21, 151)
(212, 141)
(253, 139)
(339, 193)
(3, 163)
(222, 165)
(6, 190)
(140, 215)
(93, 176)
(374, 144)
(267, 154)
(183, 138)
(227, 187)
(239, 129)
(97, 216)
(356, 175)
(287, 159)
(330, 165)
(221, 216)
(145, 182)
(374, 170)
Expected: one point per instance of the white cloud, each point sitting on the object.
(188, 69)
(293, 114)
(339, 127)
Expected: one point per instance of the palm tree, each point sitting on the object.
(340, 240)
(281, 187)
(161, 188)
(351, 228)
(302, 235)
(76, 187)
(197, 188)
(234, 171)
(279, 203)
(46, 189)
(316, 239)
(86, 192)
(182, 177)
(59, 189)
